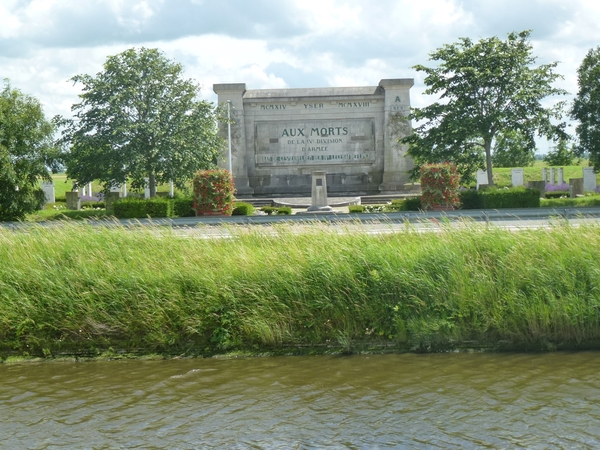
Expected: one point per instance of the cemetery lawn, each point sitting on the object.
(78, 289)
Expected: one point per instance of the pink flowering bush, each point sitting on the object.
(213, 192)
(439, 186)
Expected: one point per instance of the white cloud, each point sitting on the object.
(269, 43)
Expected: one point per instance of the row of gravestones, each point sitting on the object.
(587, 183)
(74, 197)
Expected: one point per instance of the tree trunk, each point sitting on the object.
(487, 145)
(152, 185)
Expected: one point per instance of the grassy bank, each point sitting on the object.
(76, 288)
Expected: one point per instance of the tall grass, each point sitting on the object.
(77, 288)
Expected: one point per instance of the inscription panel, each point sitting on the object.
(313, 142)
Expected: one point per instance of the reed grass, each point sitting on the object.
(82, 289)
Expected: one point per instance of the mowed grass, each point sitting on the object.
(75, 288)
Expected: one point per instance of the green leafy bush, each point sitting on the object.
(276, 210)
(213, 192)
(411, 204)
(93, 205)
(439, 186)
(242, 209)
(356, 209)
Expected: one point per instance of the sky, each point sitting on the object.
(277, 43)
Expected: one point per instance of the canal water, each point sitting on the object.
(348, 402)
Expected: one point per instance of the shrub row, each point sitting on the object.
(133, 208)
(517, 197)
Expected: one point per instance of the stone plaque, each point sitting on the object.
(313, 142)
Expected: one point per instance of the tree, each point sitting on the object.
(486, 88)
(586, 108)
(26, 153)
(561, 155)
(139, 118)
(512, 149)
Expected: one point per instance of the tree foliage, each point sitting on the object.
(586, 108)
(561, 155)
(485, 88)
(513, 149)
(137, 119)
(26, 153)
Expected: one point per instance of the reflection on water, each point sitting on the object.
(378, 401)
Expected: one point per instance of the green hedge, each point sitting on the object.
(471, 199)
(494, 198)
(138, 208)
(183, 207)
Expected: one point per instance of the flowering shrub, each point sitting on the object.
(213, 192)
(557, 187)
(439, 186)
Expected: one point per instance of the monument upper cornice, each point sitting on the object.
(298, 93)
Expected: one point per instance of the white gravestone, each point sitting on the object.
(115, 188)
(517, 177)
(482, 178)
(147, 188)
(544, 175)
(561, 175)
(48, 188)
(551, 175)
(589, 179)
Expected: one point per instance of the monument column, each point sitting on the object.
(234, 93)
(396, 106)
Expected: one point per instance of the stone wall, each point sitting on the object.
(280, 136)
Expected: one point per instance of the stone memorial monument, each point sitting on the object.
(279, 137)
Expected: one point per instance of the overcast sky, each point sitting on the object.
(275, 43)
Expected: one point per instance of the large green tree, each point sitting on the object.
(27, 153)
(485, 88)
(561, 155)
(586, 108)
(139, 118)
(512, 149)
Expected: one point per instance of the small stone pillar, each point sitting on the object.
(319, 192)
(551, 175)
(561, 175)
(576, 186)
(544, 175)
(73, 200)
(110, 198)
(541, 185)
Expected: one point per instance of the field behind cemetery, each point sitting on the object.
(78, 289)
